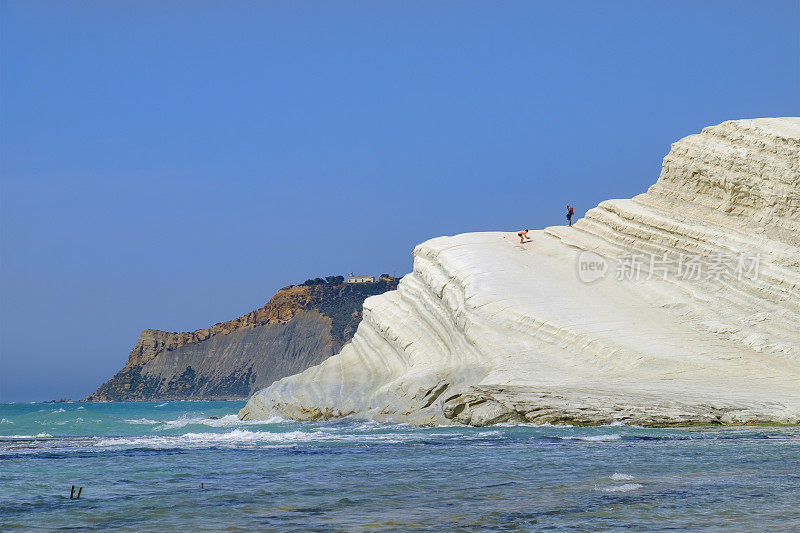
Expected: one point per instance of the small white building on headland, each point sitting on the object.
(360, 279)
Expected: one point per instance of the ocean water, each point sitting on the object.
(141, 466)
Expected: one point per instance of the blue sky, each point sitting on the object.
(170, 165)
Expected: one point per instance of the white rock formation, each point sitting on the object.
(487, 330)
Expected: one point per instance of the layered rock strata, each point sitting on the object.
(679, 306)
(299, 327)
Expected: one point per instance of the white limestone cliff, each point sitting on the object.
(486, 330)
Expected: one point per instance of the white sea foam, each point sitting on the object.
(59, 410)
(161, 404)
(142, 421)
(616, 476)
(6, 421)
(37, 436)
(594, 438)
(221, 422)
(183, 421)
(529, 425)
(238, 437)
(617, 423)
(363, 425)
(626, 487)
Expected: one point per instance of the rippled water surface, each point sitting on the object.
(141, 466)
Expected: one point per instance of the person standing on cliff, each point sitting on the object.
(570, 211)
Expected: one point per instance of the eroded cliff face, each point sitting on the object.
(298, 328)
(679, 306)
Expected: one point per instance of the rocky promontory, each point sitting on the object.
(678, 306)
(299, 327)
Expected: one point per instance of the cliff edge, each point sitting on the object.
(299, 327)
(680, 306)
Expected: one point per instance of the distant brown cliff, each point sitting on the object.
(299, 327)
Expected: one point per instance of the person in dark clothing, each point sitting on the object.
(570, 211)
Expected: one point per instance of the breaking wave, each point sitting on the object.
(237, 437)
(621, 477)
(214, 422)
(593, 438)
(26, 437)
(627, 487)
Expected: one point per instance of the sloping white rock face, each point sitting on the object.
(487, 330)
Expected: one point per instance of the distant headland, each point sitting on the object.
(299, 327)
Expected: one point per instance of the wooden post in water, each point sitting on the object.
(72, 492)
(79, 492)
(201, 485)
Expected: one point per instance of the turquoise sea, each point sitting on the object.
(141, 466)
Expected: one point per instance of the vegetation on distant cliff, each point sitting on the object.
(331, 280)
(343, 304)
(300, 326)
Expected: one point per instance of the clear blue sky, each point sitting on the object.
(171, 164)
